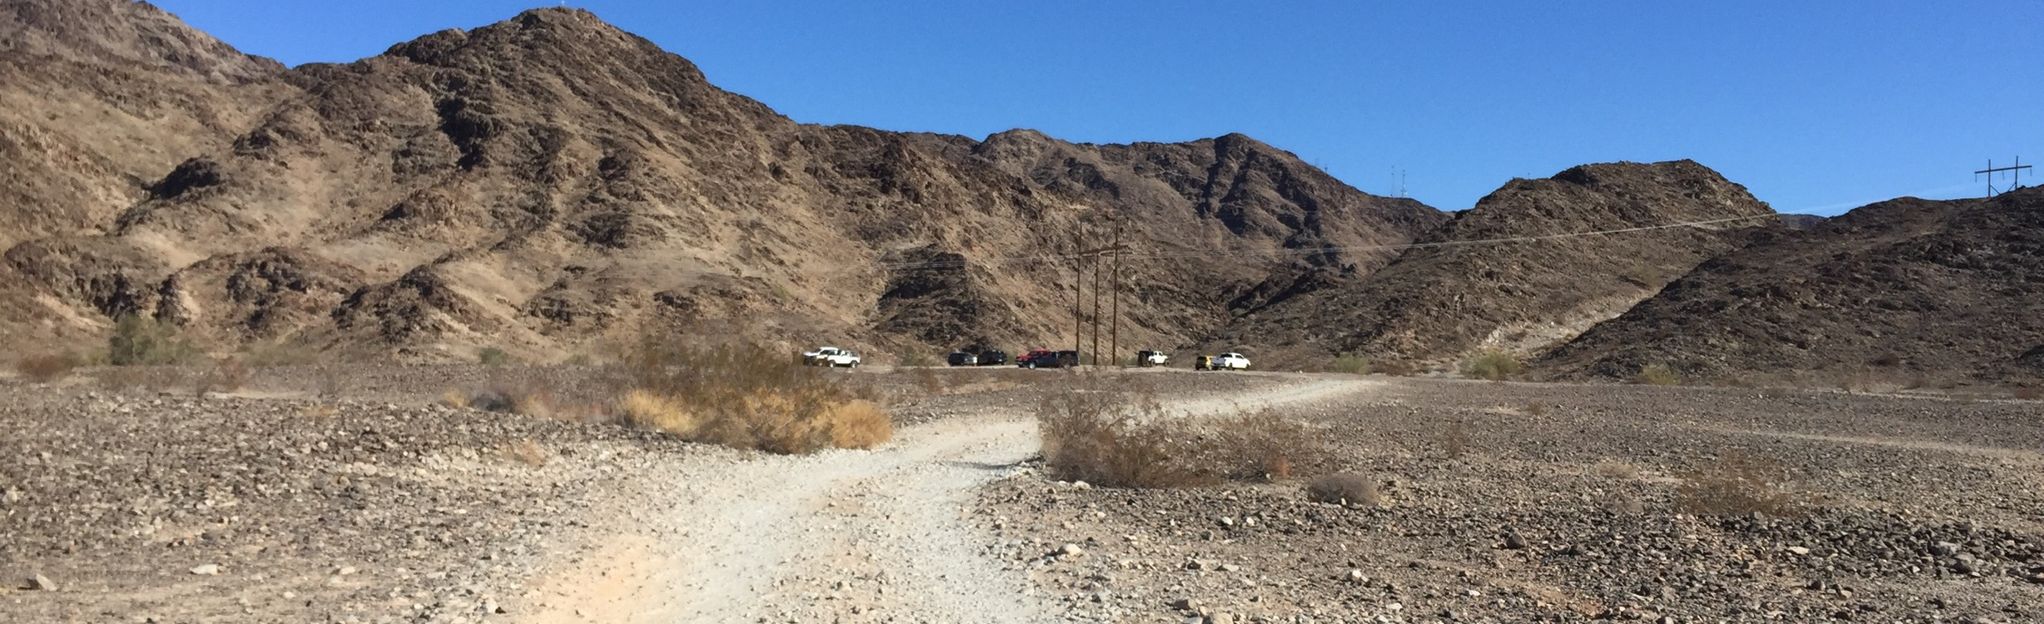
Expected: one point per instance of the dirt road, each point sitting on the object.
(844, 536)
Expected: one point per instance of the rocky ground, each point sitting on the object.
(1563, 506)
(354, 494)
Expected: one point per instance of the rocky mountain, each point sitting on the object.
(1906, 289)
(1518, 272)
(550, 182)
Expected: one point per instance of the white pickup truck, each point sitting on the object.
(832, 357)
(1231, 361)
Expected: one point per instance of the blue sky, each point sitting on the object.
(1815, 106)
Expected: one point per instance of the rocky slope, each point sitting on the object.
(1906, 289)
(1498, 276)
(550, 182)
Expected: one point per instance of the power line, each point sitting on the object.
(1184, 253)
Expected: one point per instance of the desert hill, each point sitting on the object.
(551, 182)
(1902, 289)
(1498, 277)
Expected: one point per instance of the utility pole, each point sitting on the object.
(1114, 334)
(1078, 291)
(1096, 308)
(2015, 170)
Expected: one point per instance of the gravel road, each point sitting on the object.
(842, 536)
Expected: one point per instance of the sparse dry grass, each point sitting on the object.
(1345, 488)
(1657, 375)
(226, 375)
(746, 397)
(47, 367)
(1494, 366)
(525, 451)
(1455, 439)
(1734, 485)
(1349, 363)
(1117, 438)
(1616, 470)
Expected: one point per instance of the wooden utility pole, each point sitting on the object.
(1096, 308)
(1078, 292)
(1114, 333)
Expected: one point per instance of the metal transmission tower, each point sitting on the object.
(2015, 171)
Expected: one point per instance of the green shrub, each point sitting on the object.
(1351, 364)
(1493, 365)
(142, 341)
(1657, 375)
(492, 356)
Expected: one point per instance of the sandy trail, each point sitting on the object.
(840, 536)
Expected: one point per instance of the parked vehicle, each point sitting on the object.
(962, 358)
(993, 357)
(1205, 362)
(1151, 358)
(1067, 359)
(1230, 361)
(1045, 358)
(832, 357)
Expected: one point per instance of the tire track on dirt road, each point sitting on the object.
(839, 536)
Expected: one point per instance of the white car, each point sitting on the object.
(1152, 358)
(832, 357)
(1231, 361)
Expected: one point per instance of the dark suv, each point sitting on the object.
(993, 357)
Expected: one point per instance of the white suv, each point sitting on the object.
(832, 357)
(1231, 361)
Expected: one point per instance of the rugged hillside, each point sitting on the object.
(1498, 276)
(551, 182)
(1902, 289)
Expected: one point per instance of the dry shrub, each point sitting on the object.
(1616, 470)
(227, 375)
(1345, 488)
(2025, 393)
(1536, 409)
(649, 410)
(1455, 439)
(1494, 366)
(525, 451)
(1349, 363)
(1123, 438)
(318, 411)
(1657, 375)
(1091, 434)
(1394, 368)
(1736, 485)
(46, 368)
(928, 380)
(746, 397)
(492, 356)
(1265, 446)
(455, 399)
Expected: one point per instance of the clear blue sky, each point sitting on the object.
(1815, 106)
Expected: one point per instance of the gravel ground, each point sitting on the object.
(1562, 507)
(347, 494)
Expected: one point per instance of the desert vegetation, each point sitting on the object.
(1349, 363)
(46, 367)
(1657, 375)
(1736, 484)
(745, 396)
(1123, 438)
(1494, 366)
(144, 341)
